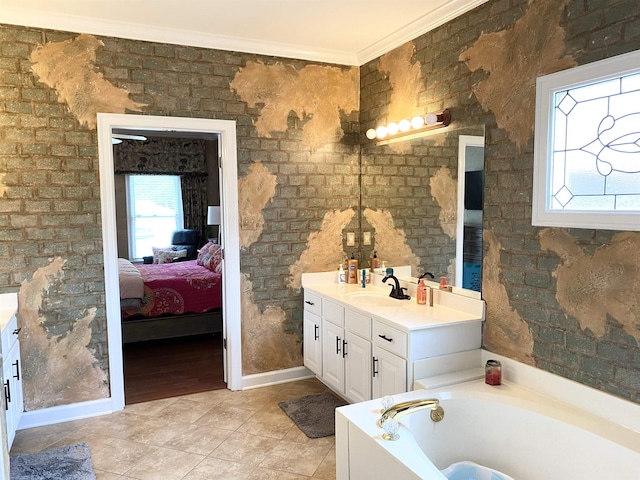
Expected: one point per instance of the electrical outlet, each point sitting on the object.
(351, 239)
(366, 238)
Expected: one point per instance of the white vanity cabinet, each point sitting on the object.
(312, 338)
(368, 350)
(12, 377)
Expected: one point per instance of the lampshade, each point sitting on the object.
(213, 215)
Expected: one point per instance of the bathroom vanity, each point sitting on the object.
(363, 344)
(11, 377)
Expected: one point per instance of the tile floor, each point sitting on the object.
(212, 435)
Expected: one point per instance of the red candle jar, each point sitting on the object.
(493, 372)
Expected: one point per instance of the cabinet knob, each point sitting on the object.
(17, 331)
(344, 348)
(375, 367)
(316, 332)
(384, 337)
(308, 302)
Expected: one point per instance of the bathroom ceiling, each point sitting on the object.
(350, 32)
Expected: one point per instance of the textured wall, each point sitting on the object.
(51, 86)
(50, 208)
(564, 300)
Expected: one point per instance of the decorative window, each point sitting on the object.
(154, 204)
(587, 148)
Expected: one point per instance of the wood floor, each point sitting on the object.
(173, 367)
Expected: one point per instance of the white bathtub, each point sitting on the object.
(508, 428)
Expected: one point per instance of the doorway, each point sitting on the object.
(230, 236)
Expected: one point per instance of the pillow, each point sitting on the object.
(167, 255)
(214, 263)
(207, 250)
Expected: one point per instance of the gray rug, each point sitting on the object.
(72, 462)
(314, 414)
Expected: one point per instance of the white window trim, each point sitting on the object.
(546, 88)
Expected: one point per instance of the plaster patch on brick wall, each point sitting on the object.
(255, 189)
(324, 248)
(505, 332)
(590, 287)
(317, 94)
(3, 187)
(405, 81)
(69, 68)
(391, 242)
(265, 344)
(56, 369)
(513, 59)
(444, 189)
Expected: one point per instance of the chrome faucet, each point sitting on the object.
(397, 291)
(405, 408)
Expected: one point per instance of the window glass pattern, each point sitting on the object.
(595, 163)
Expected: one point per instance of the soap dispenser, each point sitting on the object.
(375, 262)
(341, 274)
(421, 293)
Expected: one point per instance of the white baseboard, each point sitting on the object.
(276, 377)
(65, 413)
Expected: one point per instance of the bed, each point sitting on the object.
(165, 300)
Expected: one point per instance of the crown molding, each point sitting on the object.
(418, 27)
(135, 31)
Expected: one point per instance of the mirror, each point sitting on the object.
(421, 204)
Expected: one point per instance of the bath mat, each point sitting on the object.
(72, 462)
(314, 414)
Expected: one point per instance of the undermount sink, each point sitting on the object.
(373, 299)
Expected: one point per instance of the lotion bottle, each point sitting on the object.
(375, 262)
(443, 283)
(421, 293)
(341, 274)
(352, 270)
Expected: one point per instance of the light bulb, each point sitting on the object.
(417, 122)
(381, 132)
(404, 125)
(371, 133)
(431, 118)
(392, 128)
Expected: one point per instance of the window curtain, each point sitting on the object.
(194, 203)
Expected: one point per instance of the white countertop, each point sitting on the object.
(8, 308)
(448, 309)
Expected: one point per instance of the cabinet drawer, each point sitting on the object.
(9, 338)
(389, 338)
(313, 303)
(359, 324)
(334, 313)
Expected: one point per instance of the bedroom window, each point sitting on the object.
(154, 204)
(587, 147)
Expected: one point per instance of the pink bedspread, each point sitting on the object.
(177, 288)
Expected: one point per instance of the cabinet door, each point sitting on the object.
(389, 374)
(13, 374)
(312, 343)
(357, 368)
(7, 391)
(332, 359)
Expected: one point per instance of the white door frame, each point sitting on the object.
(230, 236)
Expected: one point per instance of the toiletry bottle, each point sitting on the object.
(352, 270)
(421, 293)
(341, 275)
(375, 262)
(443, 283)
(363, 278)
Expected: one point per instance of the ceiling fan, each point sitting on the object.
(117, 138)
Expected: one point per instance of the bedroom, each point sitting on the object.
(171, 298)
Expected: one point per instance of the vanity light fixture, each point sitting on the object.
(413, 127)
